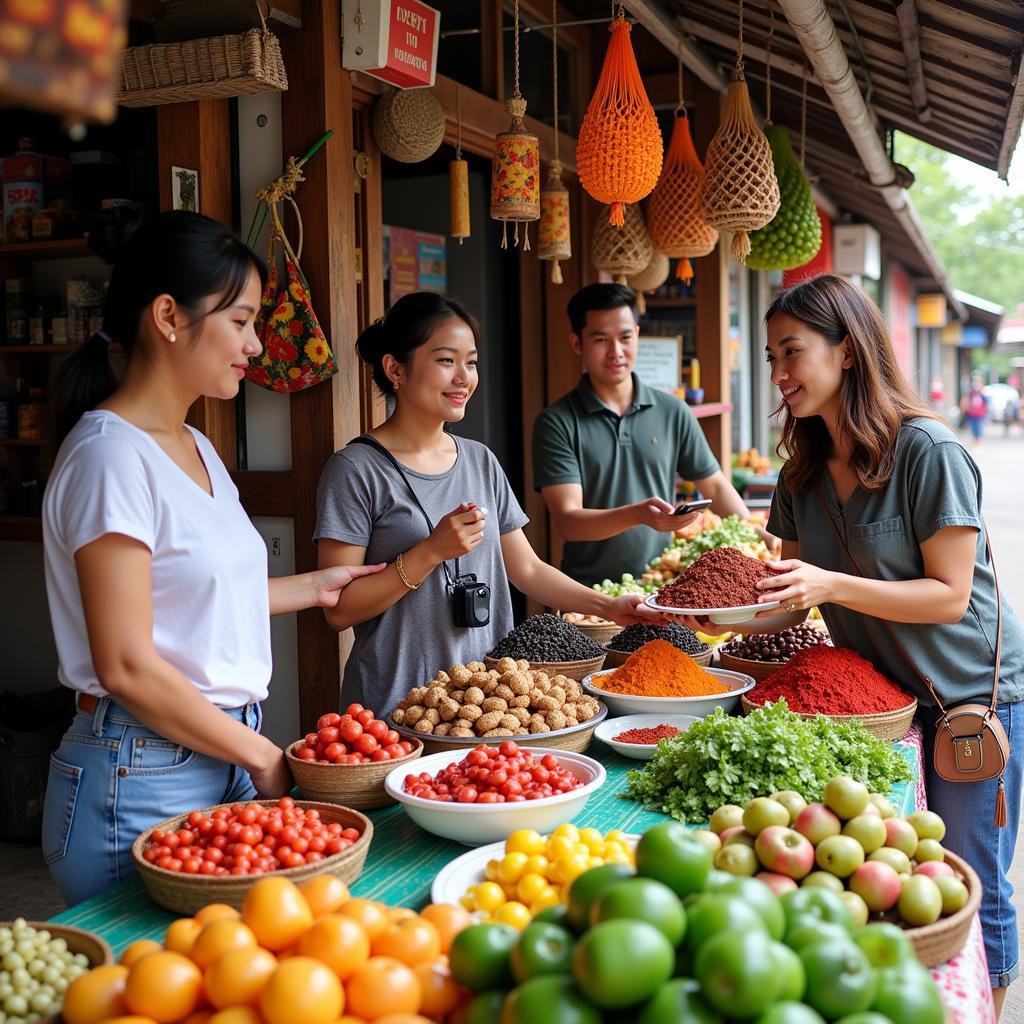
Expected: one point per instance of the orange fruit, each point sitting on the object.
(237, 978)
(381, 986)
(302, 989)
(276, 912)
(219, 937)
(337, 941)
(236, 1015)
(448, 919)
(412, 941)
(198, 1017)
(324, 894)
(402, 1018)
(137, 950)
(440, 990)
(349, 1019)
(216, 912)
(95, 995)
(165, 986)
(181, 935)
(396, 914)
(128, 1018)
(372, 916)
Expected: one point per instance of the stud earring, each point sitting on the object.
(398, 384)
(172, 337)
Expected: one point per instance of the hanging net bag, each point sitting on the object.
(621, 251)
(555, 241)
(618, 153)
(650, 279)
(741, 192)
(675, 216)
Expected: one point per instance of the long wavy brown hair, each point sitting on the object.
(875, 399)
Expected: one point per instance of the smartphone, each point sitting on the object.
(692, 506)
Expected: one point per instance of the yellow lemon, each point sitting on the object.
(525, 840)
(592, 839)
(560, 846)
(511, 868)
(570, 832)
(515, 914)
(537, 864)
(530, 887)
(488, 896)
(547, 897)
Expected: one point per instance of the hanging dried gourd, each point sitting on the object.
(741, 192)
(625, 250)
(650, 279)
(618, 153)
(515, 169)
(555, 242)
(675, 216)
(408, 124)
(458, 180)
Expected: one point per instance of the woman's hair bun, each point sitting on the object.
(371, 343)
(112, 229)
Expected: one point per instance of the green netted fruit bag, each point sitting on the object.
(793, 236)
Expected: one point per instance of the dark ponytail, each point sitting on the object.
(408, 324)
(185, 255)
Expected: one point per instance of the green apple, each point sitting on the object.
(725, 817)
(737, 859)
(885, 944)
(839, 855)
(954, 894)
(823, 880)
(846, 797)
(896, 859)
(885, 809)
(762, 812)
(927, 825)
(920, 901)
(710, 839)
(868, 830)
(792, 801)
(929, 849)
(857, 907)
(900, 835)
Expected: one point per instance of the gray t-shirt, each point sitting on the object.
(362, 500)
(936, 484)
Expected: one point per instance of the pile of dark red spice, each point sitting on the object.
(651, 735)
(723, 578)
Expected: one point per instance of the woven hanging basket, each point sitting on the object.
(675, 216)
(618, 153)
(458, 179)
(408, 124)
(621, 251)
(741, 192)
(554, 242)
(650, 279)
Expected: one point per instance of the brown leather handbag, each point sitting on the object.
(971, 744)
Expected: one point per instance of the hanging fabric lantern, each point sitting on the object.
(618, 154)
(555, 238)
(741, 192)
(650, 279)
(458, 180)
(675, 217)
(621, 251)
(515, 169)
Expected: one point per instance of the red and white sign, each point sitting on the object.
(393, 40)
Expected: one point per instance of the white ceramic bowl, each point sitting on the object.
(609, 729)
(474, 824)
(625, 704)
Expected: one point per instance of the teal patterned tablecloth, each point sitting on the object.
(403, 859)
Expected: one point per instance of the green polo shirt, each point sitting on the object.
(618, 460)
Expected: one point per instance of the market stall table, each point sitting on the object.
(404, 860)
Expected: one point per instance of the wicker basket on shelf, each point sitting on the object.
(599, 632)
(886, 725)
(936, 943)
(757, 669)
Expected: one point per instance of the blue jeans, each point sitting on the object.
(110, 779)
(967, 809)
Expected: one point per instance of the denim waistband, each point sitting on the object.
(107, 710)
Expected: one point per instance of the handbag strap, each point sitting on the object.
(892, 633)
(372, 442)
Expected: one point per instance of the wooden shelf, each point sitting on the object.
(21, 528)
(20, 442)
(653, 302)
(710, 409)
(55, 249)
(38, 350)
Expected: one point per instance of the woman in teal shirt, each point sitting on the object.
(869, 465)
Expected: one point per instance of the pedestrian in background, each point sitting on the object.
(975, 409)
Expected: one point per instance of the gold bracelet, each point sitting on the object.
(403, 577)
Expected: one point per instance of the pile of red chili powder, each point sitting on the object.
(723, 578)
(831, 681)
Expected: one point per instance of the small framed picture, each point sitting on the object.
(184, 189)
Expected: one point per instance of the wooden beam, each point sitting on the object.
(265, 493)
(665, 29)
(279, 13)
(492, 49)
(910, 37)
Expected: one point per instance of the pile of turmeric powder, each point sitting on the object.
(659, 669)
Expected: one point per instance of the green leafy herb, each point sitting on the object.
(725, 759)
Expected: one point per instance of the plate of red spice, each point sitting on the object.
(638, 736)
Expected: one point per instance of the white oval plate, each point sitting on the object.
(721, 616)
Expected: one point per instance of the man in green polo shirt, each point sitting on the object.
(606, 455)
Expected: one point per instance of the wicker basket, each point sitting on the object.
(359, 785)
(616, 659)
(887, 725)
(576, 740)
(213, 67)
(936, 943)
(185, 894)
(408, 125)
(758, 669)
(570, 669)
(621, 251)
(600, 633)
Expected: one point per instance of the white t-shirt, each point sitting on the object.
(211, 604)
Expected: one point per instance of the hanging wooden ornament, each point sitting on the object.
(515, 169)
(741, 192)
(408, 124)
(675, 216)
(458, 179)
(650, 279)
(555, 242)
(618, 153)
(621, 251)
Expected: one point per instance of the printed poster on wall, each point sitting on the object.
(414, 261)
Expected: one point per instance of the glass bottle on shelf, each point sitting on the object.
(17, 295)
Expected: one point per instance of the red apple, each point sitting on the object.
(900, 835)
(935, 869)
(817, 822)
(784, 851)
(779, 884)
(736, 834)
(877, 884)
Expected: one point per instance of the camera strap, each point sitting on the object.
(372, 442)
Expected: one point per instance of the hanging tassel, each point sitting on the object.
(1000, 818)
(740, 247)
(684, 271)
(641, 303)
(616, 216)
(556, 272)
(526, 237)
(504, 234)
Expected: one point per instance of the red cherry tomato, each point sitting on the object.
(306, 754)
(350, 731)
(377, 729)
(326, 721)
(329, 735)
(354, 709)
(364, 717)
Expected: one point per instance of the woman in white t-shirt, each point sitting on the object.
(156, 579)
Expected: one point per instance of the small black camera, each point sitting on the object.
(471, 601)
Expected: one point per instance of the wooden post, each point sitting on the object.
(325, 416)
(198, 136)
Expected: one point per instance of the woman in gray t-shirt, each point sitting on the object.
(423, 355)
(872, 469)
